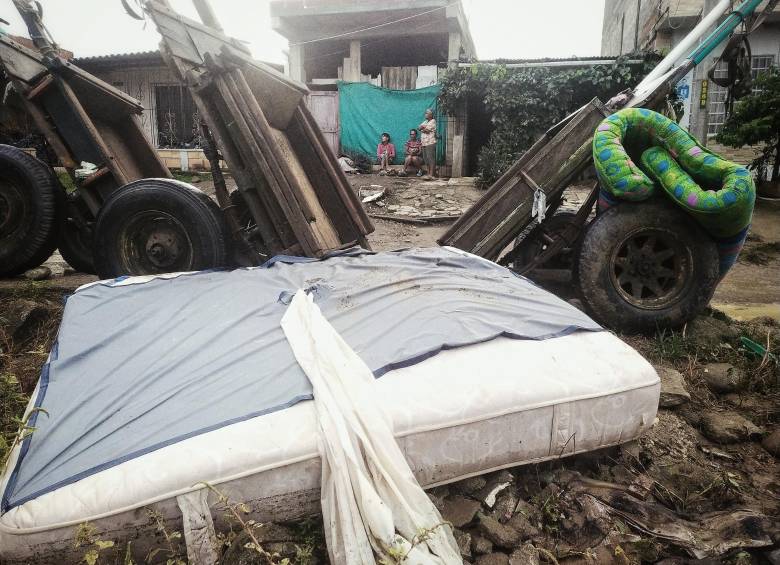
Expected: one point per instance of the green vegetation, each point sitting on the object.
(756, 121)
(525, 102)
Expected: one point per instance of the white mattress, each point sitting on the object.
(462, 412)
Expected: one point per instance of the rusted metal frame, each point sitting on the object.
(254, 157)
(73, 101)
(341, 184)
(270, 220)
(265, 140)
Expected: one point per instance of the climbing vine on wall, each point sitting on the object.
(525, 102)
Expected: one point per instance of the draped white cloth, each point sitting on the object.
(371, 502)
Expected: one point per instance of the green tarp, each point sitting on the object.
(365, 111)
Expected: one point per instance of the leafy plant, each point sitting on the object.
(14, 429)
(756, 121)
(525, 102)
(86, 537)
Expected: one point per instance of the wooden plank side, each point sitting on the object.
(241, 133)
(279, 175)
(346, 196)
(321, 223)
(506, 198)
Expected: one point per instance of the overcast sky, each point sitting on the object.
(500, 28)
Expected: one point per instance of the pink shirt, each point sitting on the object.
(381, 148)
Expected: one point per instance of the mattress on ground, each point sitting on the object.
(159, 384)
(463, 412)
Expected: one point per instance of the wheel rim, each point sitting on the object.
(155, 242)
(13, 208)
(651, 268)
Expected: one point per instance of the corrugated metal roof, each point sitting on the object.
(138, 56)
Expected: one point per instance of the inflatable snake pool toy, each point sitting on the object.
(718, 194)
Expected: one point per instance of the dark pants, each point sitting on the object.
(429, 154)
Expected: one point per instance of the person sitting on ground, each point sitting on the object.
(428, 129)
(413, 160)
(385, 153)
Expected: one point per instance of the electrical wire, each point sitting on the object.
(369, 28)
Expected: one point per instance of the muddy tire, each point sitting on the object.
(154, 226)
(645, 266)
(75, 245)
(29, 196)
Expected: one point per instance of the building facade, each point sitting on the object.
(400, 45)
(638, 25)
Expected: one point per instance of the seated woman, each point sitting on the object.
(385, 153)
(413, 160)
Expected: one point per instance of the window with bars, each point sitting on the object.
(717, 95)
(177, 117)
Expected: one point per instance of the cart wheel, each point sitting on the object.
(154, 226)
(28, 211)
(644, 266)
(535, 243)
(75, 246)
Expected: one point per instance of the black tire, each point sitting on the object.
(29, 196)
(645, 266)
(75, 245)
(534, 244)
(154, 226)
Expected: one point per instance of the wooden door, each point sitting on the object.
(324, 106)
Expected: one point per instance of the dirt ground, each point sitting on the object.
(702, 486)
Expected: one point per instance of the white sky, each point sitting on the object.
(500, 28)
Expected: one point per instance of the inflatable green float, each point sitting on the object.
(718, 194)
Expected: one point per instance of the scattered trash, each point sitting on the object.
(373, 195)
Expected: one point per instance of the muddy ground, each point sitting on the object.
(703, 486)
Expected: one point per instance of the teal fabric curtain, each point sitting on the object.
(365, 111)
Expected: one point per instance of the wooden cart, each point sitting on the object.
(128, 216)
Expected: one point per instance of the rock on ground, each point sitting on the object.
(727, 427)
(709, 333)
(494, 559)
(459, 510)
(673, 391)
(723, 377)
(772, 443)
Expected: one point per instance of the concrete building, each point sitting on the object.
(401, 45)
(170, 118)
(637, 25)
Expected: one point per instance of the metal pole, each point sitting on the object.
(206, 14)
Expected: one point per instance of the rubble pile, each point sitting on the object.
(418, 199)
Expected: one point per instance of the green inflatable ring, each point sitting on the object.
(717, 193)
